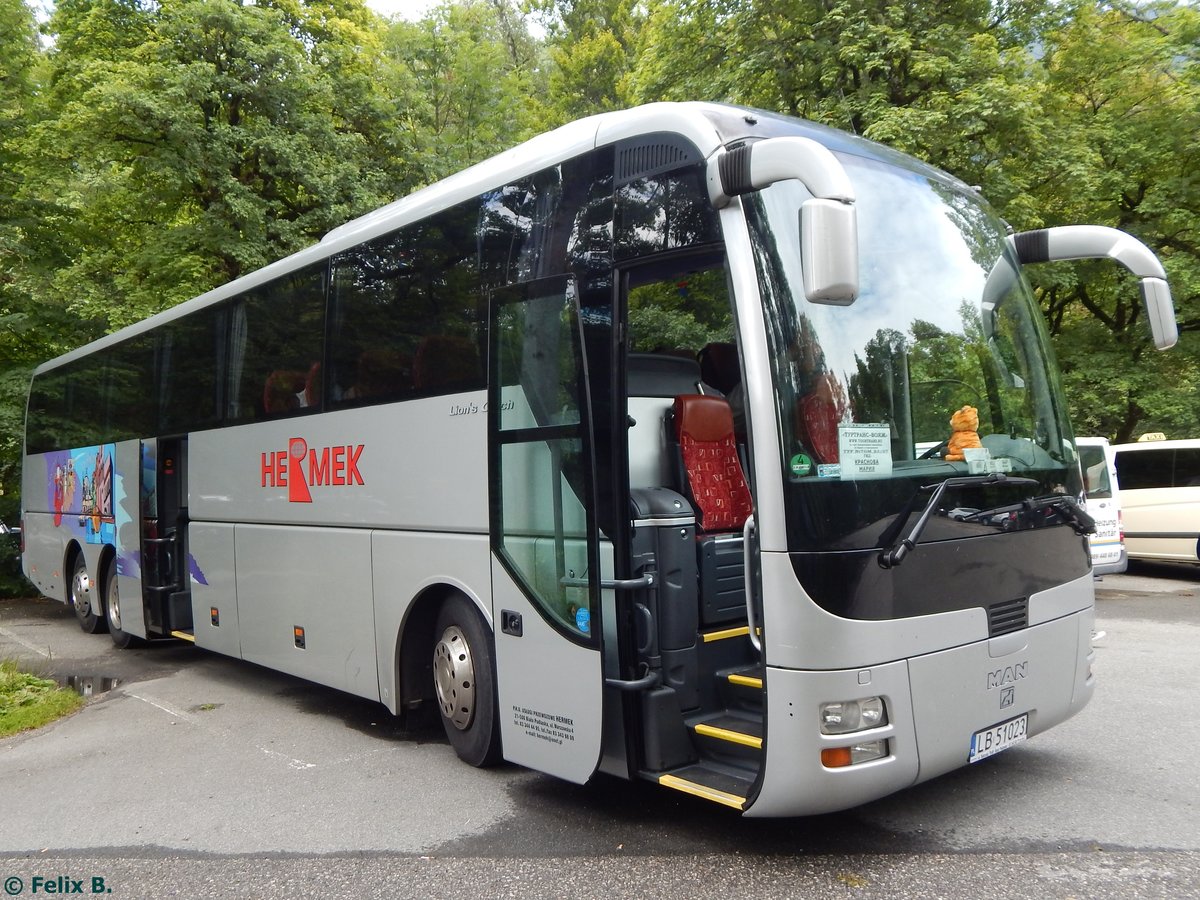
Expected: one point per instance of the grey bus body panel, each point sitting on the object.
(282, 590)
(935, 703)
(43, 541)
(405, 564)
(386, 536)
(963, 690)
(361, 468)
(127, 508)
(794, 781)
(550, 690)
(215, 587)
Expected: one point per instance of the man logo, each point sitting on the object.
(1008, 697)
(1006, 676)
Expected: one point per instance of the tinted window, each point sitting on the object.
(189, 351)
(1187, 467)
(664, 213)
(47, 417)
(406, 319)
(276, 335)
(1139, 469)
(129, 390)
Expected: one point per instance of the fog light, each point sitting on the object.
(867, 751)
(847, 716)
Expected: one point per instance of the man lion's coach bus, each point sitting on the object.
(608, 447)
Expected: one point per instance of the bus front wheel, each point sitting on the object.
(465, 683)
(84, 599)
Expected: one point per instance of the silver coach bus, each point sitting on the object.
(630, 449)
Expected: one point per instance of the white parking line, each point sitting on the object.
(292, 762)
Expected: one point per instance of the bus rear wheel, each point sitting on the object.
(465, 683)
(84, 600)
(112, 609)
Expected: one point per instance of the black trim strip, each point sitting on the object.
(1033, 246)
(734, 169)
(1180, 535)
(540, 433)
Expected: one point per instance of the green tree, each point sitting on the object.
(593, 47)
(459, 83)
(192, 142)
(26, 331)
(1123, 103)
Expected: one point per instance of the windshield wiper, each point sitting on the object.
(893, 552)
(1064, 505)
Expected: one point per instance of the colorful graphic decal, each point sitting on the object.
(79, 489)
(298, 468)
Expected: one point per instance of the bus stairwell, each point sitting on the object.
(703, 724)
(164, 541)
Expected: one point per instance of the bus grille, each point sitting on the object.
(1007, 616)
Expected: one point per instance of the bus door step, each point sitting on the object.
(710, 781)
(184, 636)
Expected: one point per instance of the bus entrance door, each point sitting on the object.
(545, 556)
(164, 538)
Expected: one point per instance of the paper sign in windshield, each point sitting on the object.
(865, 451)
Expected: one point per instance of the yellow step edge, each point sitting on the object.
(184, 636)
(734, 737)
(700, 790)
(746, 681)
(711, 636)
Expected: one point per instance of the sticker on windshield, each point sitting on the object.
(865, 451)
(801, 464)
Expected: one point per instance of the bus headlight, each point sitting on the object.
(847, 716)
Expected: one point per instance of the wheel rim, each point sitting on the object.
(81, 589)
(454, 677)
(114, 606)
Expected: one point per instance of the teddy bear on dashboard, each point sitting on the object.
(964, 426)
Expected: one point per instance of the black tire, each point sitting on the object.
(464, 680)
(112, 611)
(85, 599)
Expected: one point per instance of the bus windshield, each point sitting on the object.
(940, 369)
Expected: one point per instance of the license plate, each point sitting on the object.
(992, 740)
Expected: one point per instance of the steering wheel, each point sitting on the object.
(935, 451)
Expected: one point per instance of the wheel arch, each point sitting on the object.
(71, 552)
(108, 560)
(413, 662)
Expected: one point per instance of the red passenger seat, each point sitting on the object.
(713, 476)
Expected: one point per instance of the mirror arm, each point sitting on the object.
(1067, 242)
(757, 165)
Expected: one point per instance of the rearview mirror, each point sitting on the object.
(829, 251)
(1101, 242)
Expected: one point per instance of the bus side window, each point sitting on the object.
(276, 338)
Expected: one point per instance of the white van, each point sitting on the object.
(1160, 498)
(1103, 504)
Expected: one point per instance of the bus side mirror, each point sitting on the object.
(828, 221)
(829, 251)
(1101, 242)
